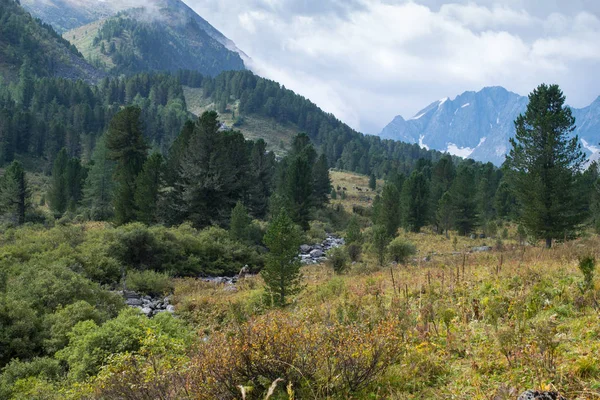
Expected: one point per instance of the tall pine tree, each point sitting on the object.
(127, 147)
(15, 195)
(147, 188)
(58, 197)
(97, 193)
(544, 162)
(415, 200)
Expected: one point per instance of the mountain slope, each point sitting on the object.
(24, 38)
(479, 125)
(67, 15)
(168, 37)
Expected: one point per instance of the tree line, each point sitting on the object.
(543, 184)
(40, 116)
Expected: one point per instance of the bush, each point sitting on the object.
(354, 251)
(399, 250)
(587, 266)
(149, 282)
(338, 259)
(16, 370)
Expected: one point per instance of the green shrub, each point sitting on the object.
(399, 250)
(587, 266)
(149, 282)
(354, 251)
(338, 260)
(16, 370)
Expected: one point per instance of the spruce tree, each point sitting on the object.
(463, 200)
(444, 213)
(97, 193)
(147, 188)
(26, 88)
(321, 181)
(299, 189)
(282, 269)
(240, 223)
(58, 196)
(75, 176)
(415, 200)
(262, 170)
(127, 147)
(15, 195)
(389, 210)
(544, 162)
(380, 240)
(372, 182)
(353, 234)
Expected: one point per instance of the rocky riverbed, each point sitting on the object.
(316, 253)
(148, 305)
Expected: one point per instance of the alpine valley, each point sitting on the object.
(478, 125)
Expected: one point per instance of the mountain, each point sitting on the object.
(23, 38)
(478, 125)
(184, 39)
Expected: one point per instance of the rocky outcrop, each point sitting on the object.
(148, 305)
(316, 254)
(539, 395)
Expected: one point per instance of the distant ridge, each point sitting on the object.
(478, 125)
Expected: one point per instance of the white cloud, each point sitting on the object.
(369, 60)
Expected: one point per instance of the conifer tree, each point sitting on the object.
(262, 166)
(380, 240)
(75, 176)
(147, 187)
(353, 234)
(127, 147)
(444, 213)
(321, 181)
(415, 199)
(544, 163)
(282, 270)
(58, 196)
(97, 193)
(240, 223)
(389, 210)
(26, 88)
(463, 200)
(372, 182)
(299, 189)
(15, 195)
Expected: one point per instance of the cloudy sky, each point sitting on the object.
(367, 61)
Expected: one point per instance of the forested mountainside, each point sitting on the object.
(345, 148)
(26, 40)
(480, 124)
(149, 39)
(40, 116)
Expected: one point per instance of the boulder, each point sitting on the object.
(305, 249)
(481, 249)
(316, 253)
(170, 308)
(133, 302)
(147, 311)
(540, 395)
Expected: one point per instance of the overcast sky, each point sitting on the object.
(367, 61)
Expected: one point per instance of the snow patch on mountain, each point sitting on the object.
(423, 145)
(590, 147)
(465, 105)
(463, 152)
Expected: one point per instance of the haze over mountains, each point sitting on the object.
(478, 125)
(134, 36)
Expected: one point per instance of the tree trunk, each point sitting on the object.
(548, 243)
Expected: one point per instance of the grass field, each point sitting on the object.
(472, 325)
